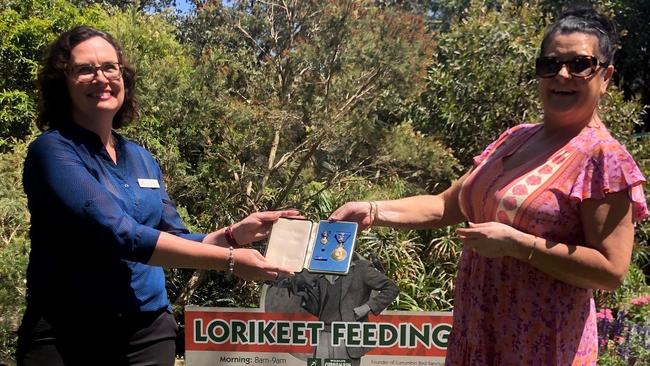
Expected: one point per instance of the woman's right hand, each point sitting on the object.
(363, 213)
(251, 265)
(257, 226)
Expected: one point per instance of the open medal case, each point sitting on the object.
(325, 247)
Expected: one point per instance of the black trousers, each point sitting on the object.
(98, 339)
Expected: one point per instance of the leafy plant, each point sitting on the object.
(14, 225)
(260, 105)
(623, 341)
(482, 78)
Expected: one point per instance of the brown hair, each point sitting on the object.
(589, 21)
(55, 106)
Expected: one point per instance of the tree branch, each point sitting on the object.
(292, 182)
(186, 294)
(249, 37)
(271, 161)
(361, 91)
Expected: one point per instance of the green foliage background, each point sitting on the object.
(309, 104)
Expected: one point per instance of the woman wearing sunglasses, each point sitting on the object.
(102, 224)
(551, 210)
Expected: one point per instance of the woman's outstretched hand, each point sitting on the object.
(360, 212)
(257, 226)
(251, 265)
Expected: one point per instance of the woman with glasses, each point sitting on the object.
(102, 224)
(551, 209)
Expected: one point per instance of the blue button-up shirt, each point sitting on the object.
(94, 225)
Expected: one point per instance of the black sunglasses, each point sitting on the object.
(580, 66)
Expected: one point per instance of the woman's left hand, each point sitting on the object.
(257, 226)
(251, 265)
(491, 239)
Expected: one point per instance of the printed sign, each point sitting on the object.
(235, 336)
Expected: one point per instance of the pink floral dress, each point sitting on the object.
(507, 312)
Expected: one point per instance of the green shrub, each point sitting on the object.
(14, 247)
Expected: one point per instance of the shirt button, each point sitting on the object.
(126, 186)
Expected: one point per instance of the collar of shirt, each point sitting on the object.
(91, 139)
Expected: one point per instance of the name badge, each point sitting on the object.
(148, 183)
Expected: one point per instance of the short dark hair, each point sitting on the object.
(55, 106)
(589, 21)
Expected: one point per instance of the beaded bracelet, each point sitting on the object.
(231, 260)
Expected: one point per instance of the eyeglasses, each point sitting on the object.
(580, 66)
(86, 73)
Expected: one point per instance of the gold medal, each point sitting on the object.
(339, 253)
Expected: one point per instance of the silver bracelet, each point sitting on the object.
(231, 260)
